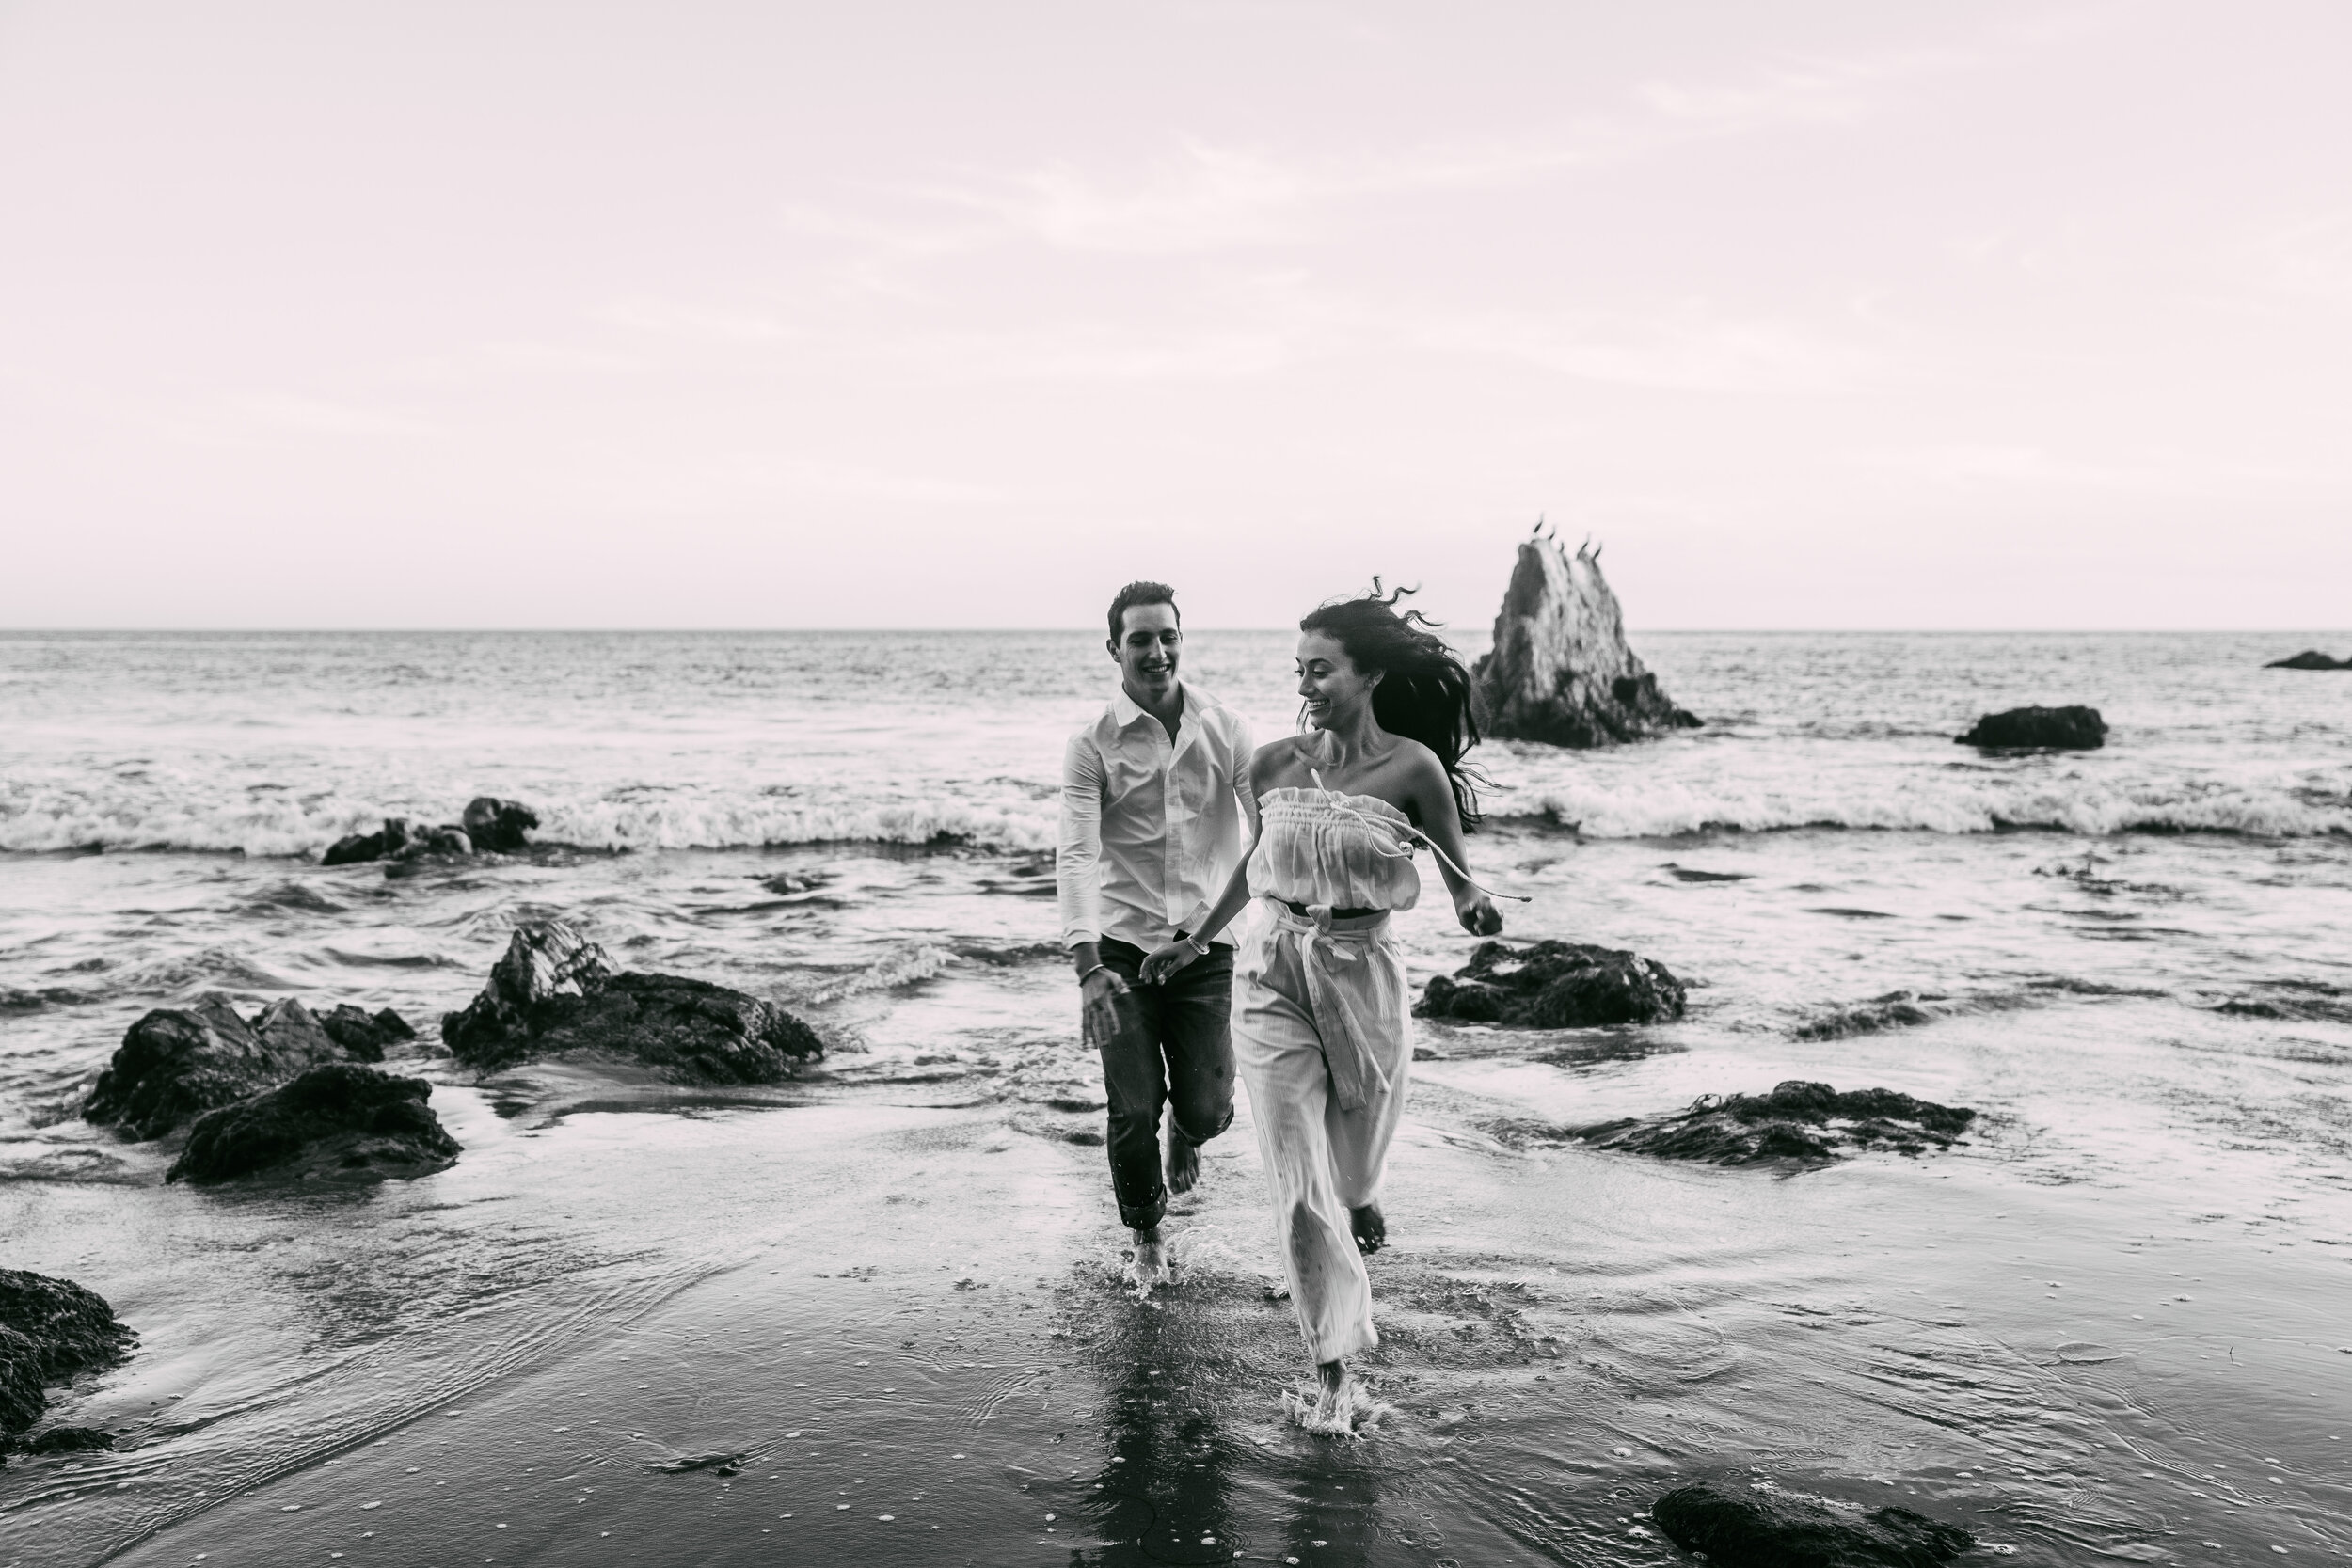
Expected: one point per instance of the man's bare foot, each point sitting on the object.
(1184, 1159)
(1155, 1260)
(1371, 1227)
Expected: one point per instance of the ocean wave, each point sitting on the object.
(78, 818)
(1653, 794)
(1895, 800)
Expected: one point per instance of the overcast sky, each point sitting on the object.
(686, 314)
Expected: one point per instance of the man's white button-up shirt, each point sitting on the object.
(1151, 829)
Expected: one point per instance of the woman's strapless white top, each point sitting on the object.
(1319, 847)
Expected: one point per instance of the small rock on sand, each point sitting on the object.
(342, 1122)
(50, 1330)
(1797, 1121)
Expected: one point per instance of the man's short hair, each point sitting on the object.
(1140, 593)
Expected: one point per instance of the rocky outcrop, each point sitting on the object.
(2074, 729)
(2309, 658)
(342, 1122)
(177, 1063)
(1797, 1121)
(1761, 1527)
(1554, 985)
(498, 825)
(50, 1330)
(555, 994)
(365, 1037)
(1560, 671)
(399, 839)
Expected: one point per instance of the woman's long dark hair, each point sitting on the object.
(1424, 693)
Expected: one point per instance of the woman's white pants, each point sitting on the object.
(1311, 997)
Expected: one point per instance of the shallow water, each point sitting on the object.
(2109, 1324)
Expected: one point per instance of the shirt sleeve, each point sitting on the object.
(1078, 857)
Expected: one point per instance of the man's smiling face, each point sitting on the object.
(1149, 646)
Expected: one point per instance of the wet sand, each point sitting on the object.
(687, 1332)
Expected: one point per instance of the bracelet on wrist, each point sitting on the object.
(1089, 974)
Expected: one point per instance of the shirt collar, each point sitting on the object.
(1125, 711)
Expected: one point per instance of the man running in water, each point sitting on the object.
(1151, 829)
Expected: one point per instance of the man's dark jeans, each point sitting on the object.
(1174, 1047)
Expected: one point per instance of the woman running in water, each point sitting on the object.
(1321, 1030)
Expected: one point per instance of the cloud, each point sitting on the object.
(267, 418)
(670, 318)
(1687, 346)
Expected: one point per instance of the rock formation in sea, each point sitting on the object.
(1554, 985)
(365, 1037)
(342, 1122)
(1748, 1527)
(555, 994)
(175, 1063)
(50, 1330)
(399, 839)
(2309, 658)
(2075, 729)
(1560, 671)
(1797, 1121)
(498, 825)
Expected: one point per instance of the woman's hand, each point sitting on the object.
(1477, 913)
(1161, 962)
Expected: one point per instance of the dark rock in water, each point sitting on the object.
(2076, 729)
(554, 992)
(288, 1029)
(1561, 671)
(179, 1062)
(400, 839)
(354, 849)
(1798, 1120)
(541, 964)
(496, 824)
(2309, 658)
(342, 1122)
(50, 1330)
(67, 1440)
(365, 1038)
(1554, 985)
(1741, 1527)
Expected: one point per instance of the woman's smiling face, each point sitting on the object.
(1333, 689)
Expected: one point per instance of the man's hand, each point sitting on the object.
(1161, 962)
(1099, 995)
(1478, 914)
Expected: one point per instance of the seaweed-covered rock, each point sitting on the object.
(1798, 1120)
(2309, 658)
(50, 1330)
(179, 1062)
(554, 993)
(496, 824)
(1750, 1526)
(365, 1037)
(2075, 729)
(1554, 985)
(340, 1122)
(1561, 671)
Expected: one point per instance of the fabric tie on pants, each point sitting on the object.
(1348, 1014)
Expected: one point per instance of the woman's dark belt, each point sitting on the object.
(1300, 910)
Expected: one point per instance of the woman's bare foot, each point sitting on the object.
(1335, 1396)
(1184, 1159)
(1371, 1227)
